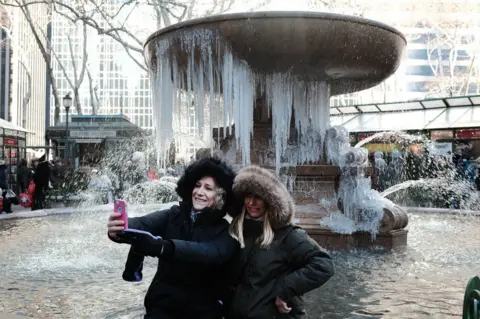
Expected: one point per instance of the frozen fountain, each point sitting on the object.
(259, 84)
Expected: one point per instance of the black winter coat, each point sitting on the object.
(42, 175)
(193, 282)
(4, 177)
(24, 175)
(293, 265)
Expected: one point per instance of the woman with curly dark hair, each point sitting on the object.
(194, 247)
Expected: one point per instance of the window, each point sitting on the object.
(417, 86)
(417, 54)
(424, 70)
(422, 38)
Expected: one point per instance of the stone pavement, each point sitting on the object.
(7, 316)
(21, 212)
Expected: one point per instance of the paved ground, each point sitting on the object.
(20, 212)
(6, 316)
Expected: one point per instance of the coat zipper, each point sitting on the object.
(192, 227)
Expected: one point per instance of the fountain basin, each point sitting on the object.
(64, 265)
(351, 53)
(332, 240)
(392, 233)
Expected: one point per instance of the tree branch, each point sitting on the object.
(28, 94)
(94, 101)
(85, 57)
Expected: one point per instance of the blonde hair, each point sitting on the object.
(236, 230)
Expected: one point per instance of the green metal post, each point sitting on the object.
(471, 301)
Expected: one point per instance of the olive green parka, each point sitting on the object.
(291, 266)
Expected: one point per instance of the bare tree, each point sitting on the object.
(120, 21)
(78, 55)
(449, 39)
(5, 20)
(93, 90)
(447, 31)
(352, 7)
(79, 67)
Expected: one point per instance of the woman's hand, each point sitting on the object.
(114, 225)
(282, 306)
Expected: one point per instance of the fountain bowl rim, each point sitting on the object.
(272, 14)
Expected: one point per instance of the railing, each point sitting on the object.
(471, 302)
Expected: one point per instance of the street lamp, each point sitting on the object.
(67, 102)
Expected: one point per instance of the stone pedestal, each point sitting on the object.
(313, 182)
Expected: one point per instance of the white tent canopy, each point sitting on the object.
(10, 126)
(457, 112)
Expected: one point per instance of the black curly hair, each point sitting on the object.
(211, 167)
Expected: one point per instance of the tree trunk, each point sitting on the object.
(76, 100)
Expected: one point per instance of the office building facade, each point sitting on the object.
(112, 83)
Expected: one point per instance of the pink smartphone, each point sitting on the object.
(120, 206)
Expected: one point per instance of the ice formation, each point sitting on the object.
(337, 142)
(215, 88)
(220, 90)
(360, 203)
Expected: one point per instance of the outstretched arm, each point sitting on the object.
(217, 251)
(154, 223)
(313, 265)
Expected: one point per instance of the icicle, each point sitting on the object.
(199, 105)
(227, 78)
(301, 108)
(280, 95)
(244, 96)
(163, 107)
(211, 93)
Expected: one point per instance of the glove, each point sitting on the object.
(144, 243)
(133, 267)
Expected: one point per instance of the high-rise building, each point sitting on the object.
(5, 64)
(442, 52)
(22, 71)
(443, 41)
(111, 84)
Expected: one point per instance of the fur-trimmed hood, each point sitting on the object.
(212, 167)
(267, 186)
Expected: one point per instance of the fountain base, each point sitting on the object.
(331, 240)
(308, 184)
(392, 230)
